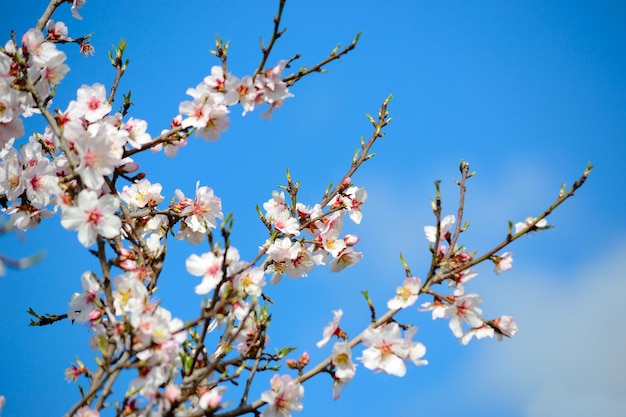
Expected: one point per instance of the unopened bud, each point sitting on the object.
(130, 167)
(345, 184)
(304, 359)
(94, 316)
(351, 240)
(128, 265)
(292, 364)
(177, 121)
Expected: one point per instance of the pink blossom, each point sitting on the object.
(92, 102)
(93, 216)
(338, 385)
(465, 309)
(130, 294)
(211, 399)
(205, 113)
(274, 206)
(406, 295)
(40, 51)
(99, 154)
(331, 329)
(77, 4)
(352, 199)
(56, 31)
(209, 267)
(81, 305)
(201, 213)
(226, 87)
(437, 308)
(284, 397)
(299, 265)
(248, 94)
(10, 130)
(282, 250)
(40, 182)
(141, 194)
(287, 224)
(479, 332)
(503, 262)
(12, 182)
(506, 326)
(345, 369)
(332, 243)
(385, 349)
(137, 135)
(350, 240)
(416, 350)
(85, 411)
(346, 258)
(251, 281)
(445, 225)
(55, 70)
(25, 216)
(521, 226)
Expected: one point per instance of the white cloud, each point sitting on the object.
(568, 359)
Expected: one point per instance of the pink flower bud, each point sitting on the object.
(351, 240)
(177, 121)
(130, 167)
(128, 265)
(463, 257)
(292, 364)
(95, 316)
(304, 359)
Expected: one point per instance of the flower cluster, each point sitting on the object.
(461, 307)
(386, 350)
(295, 256)
(134, 322)
(35, 66)
(207, 112)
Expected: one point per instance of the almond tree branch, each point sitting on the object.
(293, 78)
(363, 155)
(530, 227)
(276, 33)
(465, 174)
(47, 14)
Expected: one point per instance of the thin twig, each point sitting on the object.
(276, 33)
(293, 78)
(47, 14)
(530, 227)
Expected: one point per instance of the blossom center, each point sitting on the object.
(385, 349)
(94, 217)
(93, 103)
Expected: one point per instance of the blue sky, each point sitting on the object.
(527, 92)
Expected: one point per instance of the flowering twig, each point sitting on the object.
(276, 33)
(529, 227)
(363, 154)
